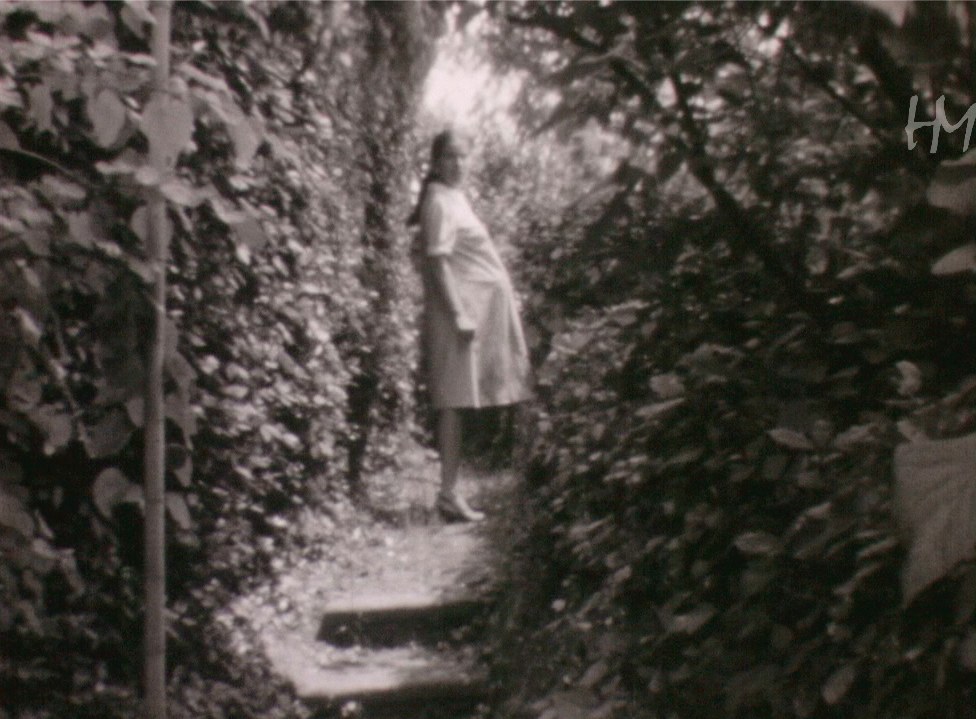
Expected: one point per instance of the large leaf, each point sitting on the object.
(124, 378)
(94, 20)
(961, 259)
(758, 543)
(667, 386)
(935, 496)
(855, 436)
(179, 410)
(181, 193)
(211, 81)
(177, 368)
(8, 140)
(140, 225)
(225, 213)
(30, 329)
(790, 438)
(109, 435)
(56, 425)
(52, 12)
(127, 162)
(249, 235)
(135, 410)
(136, 15)
(149, 176)
(910, 381)
(107, 114)
(839, 683)
(9, 97)
(80, 228)
(24, 389)
(245, 133)
(690, 622)
(178, 460)
(111, 488)
(177, 509)
(41, 105)
(58, 190)
(14, 515)
(168, 124)
(657, 410)
(954, 185)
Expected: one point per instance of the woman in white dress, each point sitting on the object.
(474, 347)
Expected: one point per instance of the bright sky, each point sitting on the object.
(453, 91)
(462, 88)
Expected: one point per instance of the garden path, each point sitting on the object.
(381, 618)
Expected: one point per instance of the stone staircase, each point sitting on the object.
(398, 638)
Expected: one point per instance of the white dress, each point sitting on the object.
(493, 368)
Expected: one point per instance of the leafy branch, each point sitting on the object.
(49, 162)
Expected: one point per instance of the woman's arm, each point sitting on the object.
(439, 234)
(444, 281)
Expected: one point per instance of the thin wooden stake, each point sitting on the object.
(154, 459)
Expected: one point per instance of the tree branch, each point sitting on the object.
(825, 86)
(561, 28)
(747, 235)
(50, 163)
(879, 133)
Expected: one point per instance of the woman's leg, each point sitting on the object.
(449, 444)
(450, 504)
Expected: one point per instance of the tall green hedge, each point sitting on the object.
(739, 328)
(288, 369)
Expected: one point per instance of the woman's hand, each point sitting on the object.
(465, 326)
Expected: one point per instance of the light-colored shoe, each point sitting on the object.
(454, 509)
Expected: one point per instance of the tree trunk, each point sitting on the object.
(154, 467)
(400, 51)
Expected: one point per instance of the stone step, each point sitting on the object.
(388, 619)
(402, 682)
(392, 634)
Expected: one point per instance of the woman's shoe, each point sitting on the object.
(455, 509)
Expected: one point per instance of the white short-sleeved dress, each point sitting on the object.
(493, 368)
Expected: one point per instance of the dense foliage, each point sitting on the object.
(735, 327)
(288, 363)
(738, 331)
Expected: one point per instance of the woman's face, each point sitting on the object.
(447, 165)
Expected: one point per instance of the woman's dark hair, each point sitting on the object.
(441, 142)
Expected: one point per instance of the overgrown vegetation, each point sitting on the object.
(738, 331)
(734, 331)
(288, 370)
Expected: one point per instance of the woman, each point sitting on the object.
(474, 347)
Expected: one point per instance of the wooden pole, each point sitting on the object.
(154, 460)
